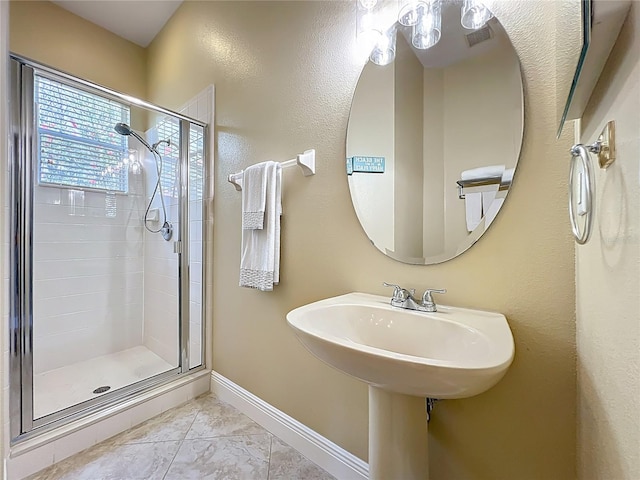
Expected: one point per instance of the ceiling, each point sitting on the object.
(136, 20)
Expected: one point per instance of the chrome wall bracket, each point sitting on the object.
(605, 146)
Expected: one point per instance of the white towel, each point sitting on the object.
(488, 198)
(482, 172)
(491, 203)
(507, 175)
(492, 211)
(260, 255)
(473, 208)
(254, 195)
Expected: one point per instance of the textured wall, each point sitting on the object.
(608, 278)
(285, 74)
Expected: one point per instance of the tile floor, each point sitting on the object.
(203, 439)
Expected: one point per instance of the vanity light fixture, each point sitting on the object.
(474, 14)
(409, 12)
(368, 4)
(367, 29)
(376, 25)
(385, 50)
(426, 31)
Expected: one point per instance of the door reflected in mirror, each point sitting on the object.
(434, 139)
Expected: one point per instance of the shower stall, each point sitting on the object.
(107, 214)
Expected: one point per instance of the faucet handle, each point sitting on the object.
(399, 293)
(427, 299)
(397, 289)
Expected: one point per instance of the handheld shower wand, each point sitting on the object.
(167, 229)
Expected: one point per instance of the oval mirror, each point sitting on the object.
(434, 138)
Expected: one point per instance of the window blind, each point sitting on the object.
(169, 129)
(77, 144)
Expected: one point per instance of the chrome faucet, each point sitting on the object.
(427, 304)
(403, 298)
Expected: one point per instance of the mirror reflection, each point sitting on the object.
(434, 138)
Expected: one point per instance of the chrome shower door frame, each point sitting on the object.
(23, 145)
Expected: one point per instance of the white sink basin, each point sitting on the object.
(454, 353)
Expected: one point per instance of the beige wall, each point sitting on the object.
(433, 148)
(44, 32)
(409, 165)
(284, 75)
(608, 278)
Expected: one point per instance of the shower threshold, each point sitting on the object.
(57, 389)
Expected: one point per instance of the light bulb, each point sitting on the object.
(474, 14)
(426, 32)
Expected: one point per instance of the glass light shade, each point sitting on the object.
(409, 12)
(368, 4)
(367, 32)
(385, 50)
(474, 14)
(426, 32)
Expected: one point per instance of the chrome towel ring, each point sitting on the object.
(604, 148)
(580, 153)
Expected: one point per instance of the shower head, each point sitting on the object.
(124, 129)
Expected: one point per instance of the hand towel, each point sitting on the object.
(254, 195)
(473, 209)
(260, 255)
(492, 207)
(482, 172)
(492, 211)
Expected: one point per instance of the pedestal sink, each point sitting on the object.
(405, 356)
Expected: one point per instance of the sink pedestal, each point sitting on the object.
(397, 436)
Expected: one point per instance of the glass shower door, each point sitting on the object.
(105, 286)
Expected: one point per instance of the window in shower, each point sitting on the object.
(101, 304)
(77, 145)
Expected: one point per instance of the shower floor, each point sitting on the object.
(63, 387)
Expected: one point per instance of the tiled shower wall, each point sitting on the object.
(161, 264)
(160, 272)
(87, 273)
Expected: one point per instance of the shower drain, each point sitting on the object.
(101, 389)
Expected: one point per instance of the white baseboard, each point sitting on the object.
(326, 454)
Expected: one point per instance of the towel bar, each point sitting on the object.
(482, 182)
(306, 161)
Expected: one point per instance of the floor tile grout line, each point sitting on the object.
(181, 443)
(270, 450)
(172, 460)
